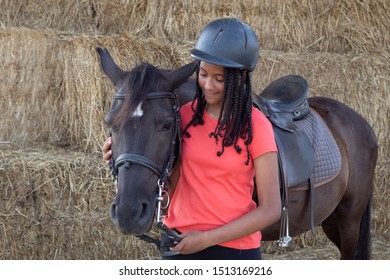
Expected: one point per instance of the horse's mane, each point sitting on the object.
(140, 80)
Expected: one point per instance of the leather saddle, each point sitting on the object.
(283, 102)
(306, 147)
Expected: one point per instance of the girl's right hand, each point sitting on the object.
(107, 153)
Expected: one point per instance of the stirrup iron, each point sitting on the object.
(285, 238)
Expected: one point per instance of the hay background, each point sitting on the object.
(285, 25)
(54, 188)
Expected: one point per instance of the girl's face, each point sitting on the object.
(211, 81)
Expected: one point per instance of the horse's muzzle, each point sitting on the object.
(132, 218)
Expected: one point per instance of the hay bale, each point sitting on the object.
(54, 204)
(332, 26)
(26, 84)
(55, 14)
(54, 89)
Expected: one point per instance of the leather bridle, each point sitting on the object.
(162, 173)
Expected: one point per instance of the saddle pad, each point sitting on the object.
(327, 158)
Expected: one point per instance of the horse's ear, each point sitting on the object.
(178, 76)
(108, 65)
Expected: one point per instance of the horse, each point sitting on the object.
(144, 124)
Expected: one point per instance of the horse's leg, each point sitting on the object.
(363, 250)
(331, 230)
(342, 228)
(354, 210)
(350, 232)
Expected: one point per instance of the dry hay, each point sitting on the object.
(332, 26)
(54, 90)
(31, 96)
(54, 204)
(323, 250)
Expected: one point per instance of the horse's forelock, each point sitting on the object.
(142, 79)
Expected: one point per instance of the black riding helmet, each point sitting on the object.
(228, 42)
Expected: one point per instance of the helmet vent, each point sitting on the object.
(246, 42)
(218, 36)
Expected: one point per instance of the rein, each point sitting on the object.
(161, 173)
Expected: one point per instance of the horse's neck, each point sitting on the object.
(186, 91)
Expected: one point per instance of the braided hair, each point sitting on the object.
(235, 119)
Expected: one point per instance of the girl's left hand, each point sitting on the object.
(193, 241)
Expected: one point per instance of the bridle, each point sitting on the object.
(162, 173)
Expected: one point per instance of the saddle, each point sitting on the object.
(302, 138)
(283, 102)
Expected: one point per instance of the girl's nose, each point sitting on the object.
(209, 84)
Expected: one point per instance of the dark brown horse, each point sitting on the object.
(146, 140)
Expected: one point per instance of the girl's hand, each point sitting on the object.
(107, 153)
(193, 241)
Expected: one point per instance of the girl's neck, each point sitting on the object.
(213, 111)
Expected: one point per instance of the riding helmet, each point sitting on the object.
(228, 42)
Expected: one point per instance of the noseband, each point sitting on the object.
(161, 172)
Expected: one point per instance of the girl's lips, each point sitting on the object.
(209, 94)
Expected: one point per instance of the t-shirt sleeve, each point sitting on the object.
(263, 135)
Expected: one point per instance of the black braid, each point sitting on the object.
(235, 120)
(197, 118)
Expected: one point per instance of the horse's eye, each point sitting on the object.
(167, 126)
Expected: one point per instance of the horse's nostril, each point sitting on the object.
(144, 213)
(113, 210)
(114, 216)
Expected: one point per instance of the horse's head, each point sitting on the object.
(144, 124)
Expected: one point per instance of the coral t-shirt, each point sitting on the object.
(215, 190)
